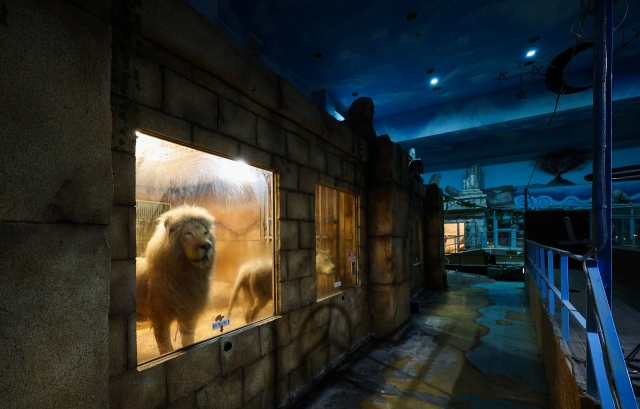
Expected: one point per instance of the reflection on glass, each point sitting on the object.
(204, 246)
(336, 241)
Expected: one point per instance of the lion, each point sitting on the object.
(174, 278)
(325, 270)
(256, 282)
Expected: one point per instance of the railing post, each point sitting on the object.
(543, 288)
(552, 283)
(540, 266)
(564, 290)
(592, 327)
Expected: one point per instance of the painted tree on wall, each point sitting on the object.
(559, 162)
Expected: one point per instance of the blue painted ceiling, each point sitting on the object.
(375, 49)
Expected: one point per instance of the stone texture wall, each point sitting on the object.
(55, 204)
(200, 88)
(435, 275)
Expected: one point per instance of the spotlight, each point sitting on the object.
(531, 53)
(434, 81)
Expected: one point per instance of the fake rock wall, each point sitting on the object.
(55, 202)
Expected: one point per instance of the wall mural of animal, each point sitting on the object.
(174, 278)
(255, 279)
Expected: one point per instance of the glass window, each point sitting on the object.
(204, 246)
(453, 237)
(336, 240)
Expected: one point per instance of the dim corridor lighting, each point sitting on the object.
(531, 53)
(434, 81)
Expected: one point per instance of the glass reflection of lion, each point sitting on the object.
(174, 277)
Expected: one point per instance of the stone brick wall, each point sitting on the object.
(55, 204)
(199, 88)
(435, 275)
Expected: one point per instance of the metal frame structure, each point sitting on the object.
(607, 376)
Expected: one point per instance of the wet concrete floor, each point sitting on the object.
(471, 347)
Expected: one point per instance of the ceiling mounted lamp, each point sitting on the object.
(528, 63)
(430, 71)
(531, 53)
(533, 39)
(434, 81)
(437, 88)
(354, 94)
(317, 56)
(411, 16)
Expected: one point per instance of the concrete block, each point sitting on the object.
(288, 358)
(320, 362)
(50, 116)
(186, 33)
(287, 172)
(282, 264)
(263, 400)
(271, 137)
(215, 141)
(239, 348)
(188, 402)
(225, 392)
(117, 344)
(254, 156)
(298, 148)
(39, 295)
(339, 134)
(308, 180)
(189, 101)
(235, 121)
(308, 290)
(289, 235)
(300, 378)
(322, 312)
(300, 321)
(391, 309)
(257, 376)
(267, 338)
(124, 178)
(282, 390)
(343, 185)
(151, 83)
(313, 341)
(214, 84)
(164, 124)
(300, 263)
(349, 171)
(132, 357)
(122, 292)
(386, 260)
(121, 232)
(317, 158)
(300, 109)
(334, 166)
(164, 58)
(196, 367)
(307, 235)
(283, 333)
(139, 389)
(298, 205)
(326, 179)
(284, 122)
(433, 223)
(290, 295)
(254, 107)
(388, 210)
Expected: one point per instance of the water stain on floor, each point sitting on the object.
(458, 354)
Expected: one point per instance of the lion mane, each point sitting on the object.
(174, 278)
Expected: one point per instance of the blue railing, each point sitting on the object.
(607, 376)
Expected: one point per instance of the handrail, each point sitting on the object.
(605, 359)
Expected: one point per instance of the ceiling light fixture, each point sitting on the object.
(354, 94)
(437, 88)
(430, 71)
(531, 53)
(317, 55)
(528, 63)
(434, 81)
(411, 16)
(533, 39)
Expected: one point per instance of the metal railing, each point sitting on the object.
(482, 240)
(607, 376)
